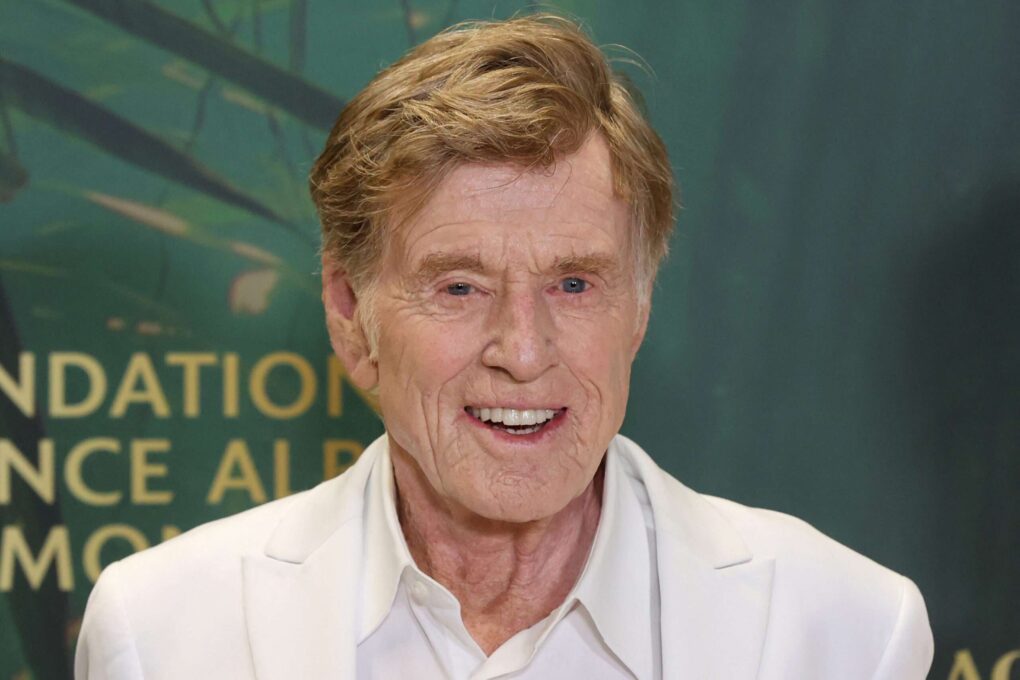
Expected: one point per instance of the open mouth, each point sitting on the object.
(515, 421)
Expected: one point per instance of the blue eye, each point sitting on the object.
(572, 284)
(459, 289)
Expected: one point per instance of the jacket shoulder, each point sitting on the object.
(841, 605)
(146, 610)
(209, 545)
(801, 549)
(288, 528)
(830, 612)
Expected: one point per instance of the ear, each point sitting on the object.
(346, 334)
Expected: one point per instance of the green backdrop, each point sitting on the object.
(836, 334)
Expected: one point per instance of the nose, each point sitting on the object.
(522, 343)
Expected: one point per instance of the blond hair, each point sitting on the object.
(525, 91)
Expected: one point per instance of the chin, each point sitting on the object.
(510, 505)
(516, 516)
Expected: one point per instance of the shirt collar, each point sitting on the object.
(615, 587)
(386, 553)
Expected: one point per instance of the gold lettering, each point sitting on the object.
(964, 667)
(76, 481)
(169, 531)
(40, 477)
(281, 468)
(335, 398)
(91, 553)
(59, 363)
(1002, 668)
(22, 391)
(140, 371)
(231, 402)
(142, 470)
(236, 457)
(56, 549)
(191, 363)
(338, 455)
(257, 385)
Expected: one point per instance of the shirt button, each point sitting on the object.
(419, 592)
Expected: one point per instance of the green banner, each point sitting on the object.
(835, 335)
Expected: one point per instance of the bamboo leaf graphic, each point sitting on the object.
(68, 111)
(12, 177)
(291, 93)
(250, 291)
(39, 614)
(174, 226)
(298, 29)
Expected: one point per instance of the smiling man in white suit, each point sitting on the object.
(494, 210)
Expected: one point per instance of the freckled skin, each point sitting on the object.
(505, 525)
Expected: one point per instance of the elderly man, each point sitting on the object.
(494, 208)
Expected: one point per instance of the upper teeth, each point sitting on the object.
(513, 416)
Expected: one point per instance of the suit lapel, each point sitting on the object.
(301, 616)
(713, 620)
(301, 595)
(714, 592)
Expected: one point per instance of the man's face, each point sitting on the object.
(510, 291)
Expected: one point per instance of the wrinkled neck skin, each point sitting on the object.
(507, 576)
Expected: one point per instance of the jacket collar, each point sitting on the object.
(300, 594)
(714, 592)
(301, 600)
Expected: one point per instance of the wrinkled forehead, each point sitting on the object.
(572, 199)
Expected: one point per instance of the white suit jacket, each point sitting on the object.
(272, 594)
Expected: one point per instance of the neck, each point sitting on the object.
(507, 576)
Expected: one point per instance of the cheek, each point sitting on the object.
(602, 366)
(598, 351)
(420, 361)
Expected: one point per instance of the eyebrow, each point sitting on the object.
(594, 263)
(434, 265)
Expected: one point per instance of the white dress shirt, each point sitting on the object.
(410, 626)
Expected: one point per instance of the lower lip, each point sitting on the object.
(546, 430)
